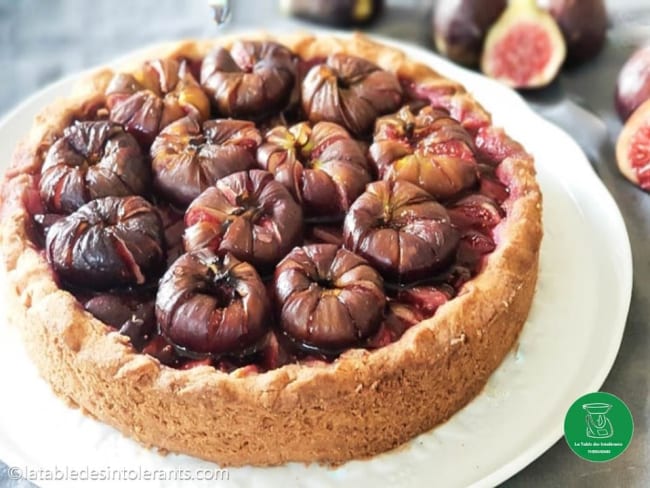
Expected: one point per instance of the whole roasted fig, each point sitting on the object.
(161, 92)
(92, 160)
(207, 305)
(328, 298)
(108, 242)
(252, 80)
(459, 27)
(349, 91)
(401, 230)
(248, 214)
(188, 157)
(322, 166)
(429, 149)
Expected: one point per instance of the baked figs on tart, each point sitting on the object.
(314, 234)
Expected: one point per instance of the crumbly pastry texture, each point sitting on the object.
(363, 403)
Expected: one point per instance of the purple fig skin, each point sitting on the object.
(633, 85)
(340, 13)
(460, 26)
(584, 26)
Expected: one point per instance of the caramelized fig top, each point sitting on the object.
(401, 230)
(427, 148)
(252, 80)
(328, 298)
(92, 160)
(161, 92)
(322, 166)
(188, 157)
(349, 91)
(207, 305)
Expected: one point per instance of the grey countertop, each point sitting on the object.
(44, 40)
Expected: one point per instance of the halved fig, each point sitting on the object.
(524, 48)
(583, 24)
(401, 230)
(460, 26)
(92, 160)
(162, 91)
(427, 148)
(250, 215)
(108, 242)
(426, 298)
(349, 91)
(188, 157)
(475, 212)
(328, 298)
(252, 80)
(322, 166)
(633, 147)
(633, 85)
(211, 306)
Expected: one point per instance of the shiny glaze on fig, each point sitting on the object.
(328, 298)
(92, 160)
(188, 157)
(349, 91)
(248, 214)
(322, 166)
(161, 92)
(401, 230)
(109, 242)
(252, 80)
(207, 305)
(427, 148)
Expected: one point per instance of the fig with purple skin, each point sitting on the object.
(248, 214)
(188, 157)
(633, 147)
(460, 26)
(401, 230)
(633, 85)
(322, 166)
(475, 212)
(583, 24)
(109, 242)
(92, 160)
(161, 92)
(212, 306)
(427, 148)
(328, 298)
(252, 80)
(524, 48)
(349, 91)
(341, 13)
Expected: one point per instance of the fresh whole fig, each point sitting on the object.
(109, 242)
(188, 157)
(341, 13)
(207, 305)
(161, 92)
(92, 160)
(524, 48)
(250, 215)
(401, 230)
(460, 27)
(252, 80)
(328, 298)
(633, 85)
(583, 24)
(427, 148)
(349, 91)
(322, 166)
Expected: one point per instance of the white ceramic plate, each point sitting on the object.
(566, 349)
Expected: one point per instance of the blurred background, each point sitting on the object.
(44, 40)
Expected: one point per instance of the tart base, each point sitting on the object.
(364, 403)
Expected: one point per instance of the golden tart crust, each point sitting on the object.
(364, 403)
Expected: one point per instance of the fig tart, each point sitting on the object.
(269, 249)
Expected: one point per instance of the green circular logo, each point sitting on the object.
(598, 427)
